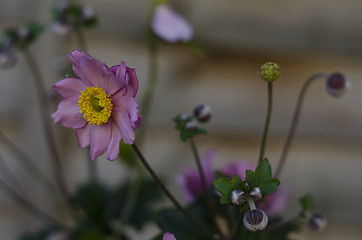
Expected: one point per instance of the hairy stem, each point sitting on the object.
(267, 121)
(294, 123)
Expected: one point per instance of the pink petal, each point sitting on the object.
(122, 119)
(69, 87)
(237, 168)
(132, 82)
(68, 113)
(206, 162)
(113, 148)
(99, 75)
(170, 26)
(100, 136)
(168, 236)
(83, 136)
(129, 105)
(74, 57)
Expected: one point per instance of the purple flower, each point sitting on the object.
(99, 104)
(168, 236)
(191, 186)
(190, 180)
(169, 25)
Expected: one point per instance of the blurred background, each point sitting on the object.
(238, 36)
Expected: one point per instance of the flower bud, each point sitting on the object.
(269, 72)
(191, 126)
(317, 222)
(23, 33)
(256, 193)
(185, 117)
(61, 27)
(7, 58)
(87, 12)
(237, 197)
(202, 113)
(337, 84)
(255, 220)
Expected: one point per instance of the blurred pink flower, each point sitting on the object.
(100, 104)
(190, 182)
(168, 236)
(169, 25)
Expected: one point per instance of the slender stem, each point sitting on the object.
(82, 44)
(28, 163)
(44, 112)
(205, 188)
(251, 204)
(267, 121)
(294, 123)
(28, 206)
(169, 195)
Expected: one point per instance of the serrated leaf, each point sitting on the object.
(185, 133)
(307, 203)
(261, 178)
(226, 185)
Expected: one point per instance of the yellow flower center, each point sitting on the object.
(96, 105)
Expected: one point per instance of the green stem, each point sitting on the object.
(41, 91)
(28, 163)
(28, 206)
(294, 123)
(169, 195)
(267, 121)
(205, 188)
(82, 43)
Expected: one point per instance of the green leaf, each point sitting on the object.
(185, 133)
(261, 178)
(226, 185)
(307, 203)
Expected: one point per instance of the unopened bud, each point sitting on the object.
(185, 117)
(202, 113)
(337, 84)
(317, 222)
(269, 72)
(237, 197)
(255, 220)
(87, 12)
(7, 58)
(191, 126)
(256, 193)
(61, 27)
(23, 33)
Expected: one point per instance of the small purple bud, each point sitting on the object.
(61, 27)
(256, 193)
(218, 193)
(23, 33)
(317, 222)
(88, 12)
(202, 113)
(337, 84)
(237, 197)
(190, 126)
(7, 58)
(255, 220)
(185, 117)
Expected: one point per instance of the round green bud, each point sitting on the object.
(269, 72)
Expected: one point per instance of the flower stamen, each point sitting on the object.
(96, 105)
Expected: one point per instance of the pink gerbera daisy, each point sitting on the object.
(100, 104)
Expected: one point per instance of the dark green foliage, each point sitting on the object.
(185, 133)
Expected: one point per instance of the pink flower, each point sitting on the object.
(99, 104)
(169, 25)
(191, 186)
(190, 180)
(168, 236)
